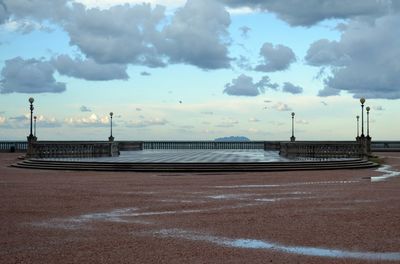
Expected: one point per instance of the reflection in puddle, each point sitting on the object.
(262, 244)
(388, 173)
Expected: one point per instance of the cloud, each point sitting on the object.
(253, 119)
(3, 12)
(228, 123)
(89, 121)
(324, 103)
(29, 76)
(23, 121)
(244, 31)
(144, 73)
(281, 107)
(378, 108)
(302, 122)
(290, 88)
(138, 109)
(121, 34)
(364, 62)
(88, 69)
(147, 123)
(85, 109)
(276, 58)
(244, 86)
(207, 113)
(310, 12)
(198, 35)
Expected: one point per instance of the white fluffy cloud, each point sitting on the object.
(281, 107)
(92, 120)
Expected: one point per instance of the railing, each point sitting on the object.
(13, 146)
(322, 149)
(75, 149)
(202, 145)
(385, 146)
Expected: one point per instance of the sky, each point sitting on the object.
(199, 69)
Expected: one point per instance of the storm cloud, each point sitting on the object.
(29, 76)
(276, 58)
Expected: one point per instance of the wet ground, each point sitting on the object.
(340, 216)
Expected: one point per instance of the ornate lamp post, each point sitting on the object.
(111, 138)
(362, 101)
(34, 126)
(367, 108)
(31, 137)
(292, 138)
(358, 126)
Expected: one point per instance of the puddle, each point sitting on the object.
(266, 245)
(388, 173)
(229, 196)
(284, 185)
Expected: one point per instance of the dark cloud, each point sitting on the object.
(309, 12)
(29, 76)
(276, 58)
(85, 109)
(89, 69)
(3, 12)
(244, 86)
(364, 62)
(291, 88)
(244, 31)
(198, 35)
(144, 73)
(121, 34)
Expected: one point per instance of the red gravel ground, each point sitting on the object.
(103, 217)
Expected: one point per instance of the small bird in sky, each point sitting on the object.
(180, 102)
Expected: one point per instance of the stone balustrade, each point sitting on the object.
(13, 146)
(322, 149)
(65, 149)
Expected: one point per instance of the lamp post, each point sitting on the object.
(362, 101)
(358, 126)
(34, 126)
(31, 137)
(367, 108)
(292, 138)
(111, 138)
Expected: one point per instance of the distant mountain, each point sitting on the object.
(232, 139)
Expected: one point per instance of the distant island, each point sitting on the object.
(232, 138)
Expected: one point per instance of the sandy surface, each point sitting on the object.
(275, 217)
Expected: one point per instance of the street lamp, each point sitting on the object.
(367, 108)
(292, 138)
(358, 126)
(362, 101)
(111, 138)
(31, 137)
(34, 126)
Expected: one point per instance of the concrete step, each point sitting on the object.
(194, 167)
